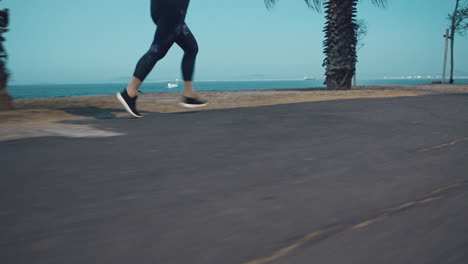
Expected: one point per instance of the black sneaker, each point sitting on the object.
(129, 103)
(192, 102)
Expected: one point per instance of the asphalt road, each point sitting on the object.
(350, 181)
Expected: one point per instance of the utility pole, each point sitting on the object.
(446, 36)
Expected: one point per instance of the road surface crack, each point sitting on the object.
(319, 235)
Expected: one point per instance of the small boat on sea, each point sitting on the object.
(173, 85)
(309, 78)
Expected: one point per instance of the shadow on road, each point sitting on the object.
(96, 112)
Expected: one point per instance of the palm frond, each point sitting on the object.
(315, 4)
(380, 3)
(270, 3)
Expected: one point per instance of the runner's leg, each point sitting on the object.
(166, 33)
(186, 40)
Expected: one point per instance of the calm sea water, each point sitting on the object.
(70, 90)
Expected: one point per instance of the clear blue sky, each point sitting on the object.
(90, 41)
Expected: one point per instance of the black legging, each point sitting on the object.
(171, 28)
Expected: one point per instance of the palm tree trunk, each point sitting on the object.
(6, 102)
(340, 43)
(452, 39)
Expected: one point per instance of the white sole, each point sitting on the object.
(190, 105)
(122, 101)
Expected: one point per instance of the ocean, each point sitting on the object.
(71, 90)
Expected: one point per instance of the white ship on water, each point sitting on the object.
(173, 85)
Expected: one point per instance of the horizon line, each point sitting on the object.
(408, 77)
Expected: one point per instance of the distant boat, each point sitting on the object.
(309, 78)
(173, 85)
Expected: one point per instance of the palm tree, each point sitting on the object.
(459, 24)
(6, 102)
(340, 39)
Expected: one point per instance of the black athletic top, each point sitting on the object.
(159, 7)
